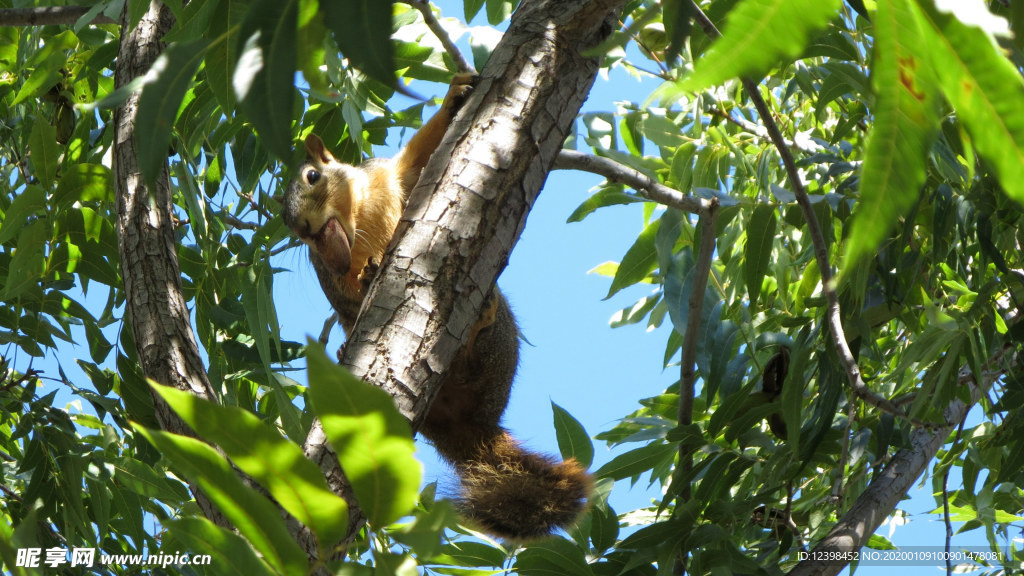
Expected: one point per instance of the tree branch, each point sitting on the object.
(155, 305)
(688, 363)
(702, 271)
(945, 500)
(435, 26)
(48, 16)
(645, 185)
(888, 488)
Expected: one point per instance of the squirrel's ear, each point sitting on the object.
(316, 150)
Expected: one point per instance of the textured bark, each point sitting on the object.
(155, 309)
(471, 203)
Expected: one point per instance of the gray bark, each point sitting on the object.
(155, 308)
(48, 16)
(471, 203)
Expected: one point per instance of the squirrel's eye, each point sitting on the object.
(312, 176)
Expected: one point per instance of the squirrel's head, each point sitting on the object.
(319, 205)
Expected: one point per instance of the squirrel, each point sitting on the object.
(347, 215)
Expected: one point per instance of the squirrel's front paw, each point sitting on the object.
(369, 273)
(461, 86)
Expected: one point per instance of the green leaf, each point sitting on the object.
(758, 34)
(639, 261)
(715, 351)
(604, 527)
(228, 552)
(311, 53)
(54, 47)
(260, 314)
(636, 462)
(573, 440)
(498, 11)
(793, 395)
(757, 254)
(986, 90)
(682, 166)
(280, 466)
(362, 29)
(30, 202)
(678, 23)
(264, 76)
(554, 556)
(668, 239)
(194, 21)
(42, 144)
(254, 284)
(41, 80)
(252, 514)
(713, 481)
(468, 553)
(27, 265)
(145, 481)
(427, 530)
(632, 133)
(611, 195)
(84, 183)
(877, 542)
(678, 287)
(99, 503)
(906, 118)
(656, 534)
(46, 65)
(471, 8)
(222, 55)
(165, 87)
(372, 440)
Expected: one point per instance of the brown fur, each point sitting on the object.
(506, 490)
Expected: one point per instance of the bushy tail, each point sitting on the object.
(519, 495)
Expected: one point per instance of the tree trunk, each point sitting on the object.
(472, 200)
(471, 203)
(155, 309)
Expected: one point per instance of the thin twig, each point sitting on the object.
(805, 144)
(292, 243)
(645, 185)
(634, 33)
(241, 224)
(688, 372)
(945, 500)
(329, 325)
(833, 315)
(840, 470)
(255, 206)
(435, 26)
